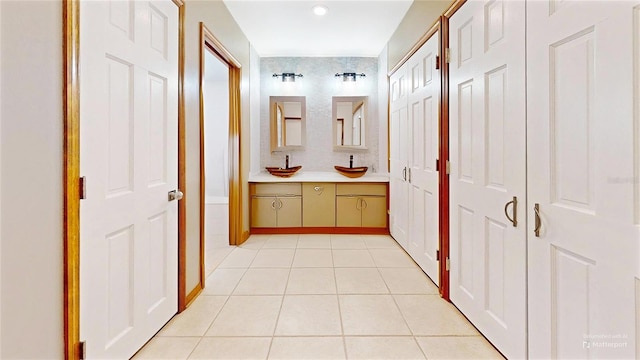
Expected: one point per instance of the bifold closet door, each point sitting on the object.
(423, 105)
(399, 189)
(583, 166)
(488, 170)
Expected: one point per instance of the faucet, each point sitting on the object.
(350, 161)
(286, 162)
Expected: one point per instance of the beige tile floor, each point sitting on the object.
(318, 297)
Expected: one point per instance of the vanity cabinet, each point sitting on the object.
(318, 205)
(361, 205)
(276, 205)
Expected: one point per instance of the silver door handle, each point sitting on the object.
(175, 195)
(404, 174)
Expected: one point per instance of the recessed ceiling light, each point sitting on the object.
(320, 10)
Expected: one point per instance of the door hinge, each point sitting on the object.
(448, 265)
(437, 62)
(447, 55)
(437, 255)
(82, 187)
(448, 165)
(437, 165)
(82, 350)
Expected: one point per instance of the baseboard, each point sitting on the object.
(322, 230)
(193, 294)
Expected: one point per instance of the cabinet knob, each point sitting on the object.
(318, 189)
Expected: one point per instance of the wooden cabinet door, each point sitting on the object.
(319, 205)
(374, 211)
(348, 211)
(263, 211)
(289, 211)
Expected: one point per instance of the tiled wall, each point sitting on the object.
(319, 86)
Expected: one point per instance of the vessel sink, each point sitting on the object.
(355, 172)
(282, 172)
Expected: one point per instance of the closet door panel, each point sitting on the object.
(423, 119)
(583, 175)
(399, 189)
(488, 166)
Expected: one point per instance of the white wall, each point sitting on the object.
(416, 22)
(216, 127)
(31, 185)
(383, 111)
(254, 110)
(319, 86)
(217, 18)
(0, 184)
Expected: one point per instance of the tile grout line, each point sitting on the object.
(335, 281)
(275, 326)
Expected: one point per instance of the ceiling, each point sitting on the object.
(290, 28)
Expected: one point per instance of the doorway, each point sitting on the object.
(220, 185)
(215, 131)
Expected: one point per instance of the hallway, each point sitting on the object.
(318, 297)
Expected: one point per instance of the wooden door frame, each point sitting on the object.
(71, 172)
(209, 43)
(445, 224)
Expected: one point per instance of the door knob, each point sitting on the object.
(175, 195)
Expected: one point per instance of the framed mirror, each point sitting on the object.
(349, 116)
(288, 123)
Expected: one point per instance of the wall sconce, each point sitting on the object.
(349, 76)
(288, 77)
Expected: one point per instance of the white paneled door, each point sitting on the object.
(488, 169)
(583, 159)
(423, 80)
(128, 226)
(398, 181)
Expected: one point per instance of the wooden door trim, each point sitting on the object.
(71, 170)
(208, 42)
(71, 176)
(182, 165)
(443, 155)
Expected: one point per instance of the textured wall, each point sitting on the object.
(319, 86)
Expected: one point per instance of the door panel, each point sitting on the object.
(399, 139)
(348, 212)
(318, 204)
(423, 117)
(374, 211)
(581, 136)
(263, 211)
(128, 147)
(289, 212)
(488, 168)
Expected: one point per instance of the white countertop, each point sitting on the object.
(318, 176)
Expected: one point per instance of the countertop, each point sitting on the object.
(319, 176)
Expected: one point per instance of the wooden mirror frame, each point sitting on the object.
(273, 132)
